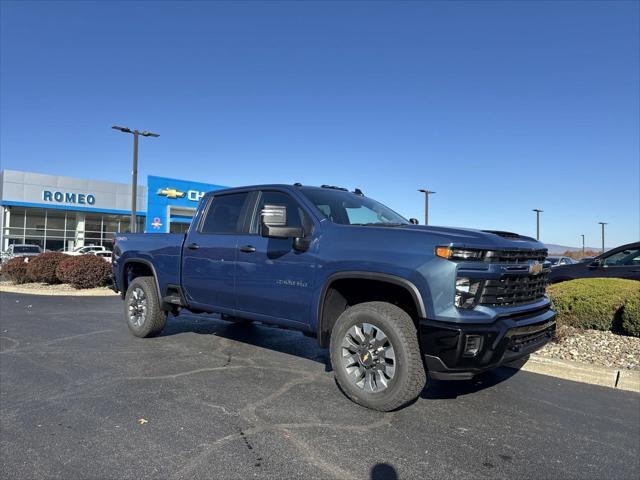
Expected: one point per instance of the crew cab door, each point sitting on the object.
(274, 282)
(210, 252)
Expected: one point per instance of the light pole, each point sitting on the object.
(603, 224)
(134, 170)
(538, 212)
(426, 204)
(582, 235)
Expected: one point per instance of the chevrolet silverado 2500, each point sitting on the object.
(391, 300)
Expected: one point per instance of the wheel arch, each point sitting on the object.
(332, 303)
(138, 267)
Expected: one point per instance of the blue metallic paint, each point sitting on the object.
(278, 285)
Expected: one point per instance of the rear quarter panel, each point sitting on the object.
(161, 251)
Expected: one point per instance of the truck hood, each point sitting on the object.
(469, 238)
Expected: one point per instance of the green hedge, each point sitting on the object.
(631, 316)
(598, 303)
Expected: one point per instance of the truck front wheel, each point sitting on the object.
(376, 357)
(142, 309)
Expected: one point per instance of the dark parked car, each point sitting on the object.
(621, 262)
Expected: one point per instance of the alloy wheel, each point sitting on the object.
(368, 357)
(137, 307)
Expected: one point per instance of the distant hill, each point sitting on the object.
(553, 248)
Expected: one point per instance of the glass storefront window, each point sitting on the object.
(55, 220)
(57, 229)
(55, 244)
(71, 221)
(36, 219)
(17, 217)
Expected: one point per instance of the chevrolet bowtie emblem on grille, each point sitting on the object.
(171, 193)
(535, 268)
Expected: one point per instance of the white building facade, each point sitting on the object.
(62, 213)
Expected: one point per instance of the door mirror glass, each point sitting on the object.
(274, 215)
(596, 263)
(413, 221)
(274, 223)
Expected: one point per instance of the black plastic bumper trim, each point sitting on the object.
(505, 340)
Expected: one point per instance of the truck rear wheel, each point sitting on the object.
(376, 357)
(142, 309)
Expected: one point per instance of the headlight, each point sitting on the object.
(466, 292)
(459, 253)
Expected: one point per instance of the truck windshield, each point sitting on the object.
(347, 208)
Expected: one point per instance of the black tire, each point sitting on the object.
(154, 318)
(409, 376)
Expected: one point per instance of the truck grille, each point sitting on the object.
(515, 256)
(513, 290)
(528, 340)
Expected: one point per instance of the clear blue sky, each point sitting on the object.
(499, 107)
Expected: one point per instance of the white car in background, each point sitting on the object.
(88, 249)
(104, 254)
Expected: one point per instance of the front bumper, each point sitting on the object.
(507, 339)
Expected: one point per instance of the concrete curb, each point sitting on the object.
(89, 292)
(580, 372)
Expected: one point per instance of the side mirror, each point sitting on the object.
(596, 263)
(413, 221)
(274, 223)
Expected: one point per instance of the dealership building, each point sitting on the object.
(62, 213)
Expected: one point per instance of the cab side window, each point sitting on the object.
(225, 214)
(296, 216)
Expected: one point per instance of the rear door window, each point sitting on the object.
(225, 214)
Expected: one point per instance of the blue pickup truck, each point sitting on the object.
(391, 300)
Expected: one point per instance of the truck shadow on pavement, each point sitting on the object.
(269, 337)
(291, 342)
(444, 389)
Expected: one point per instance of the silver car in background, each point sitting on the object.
(21, 250)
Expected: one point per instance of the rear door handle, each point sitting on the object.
(248, 249)
(193, 246)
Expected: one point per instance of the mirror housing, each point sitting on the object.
(413, 221)
(596, 263)
(274, 223)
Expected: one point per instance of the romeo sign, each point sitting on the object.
(69, 197)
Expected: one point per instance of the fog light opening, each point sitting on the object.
(472, 345)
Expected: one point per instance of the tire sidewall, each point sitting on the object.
(363, 314)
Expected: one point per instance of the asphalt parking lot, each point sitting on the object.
(225, 400)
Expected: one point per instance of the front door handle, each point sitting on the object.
(193, 246)
(248, 249)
